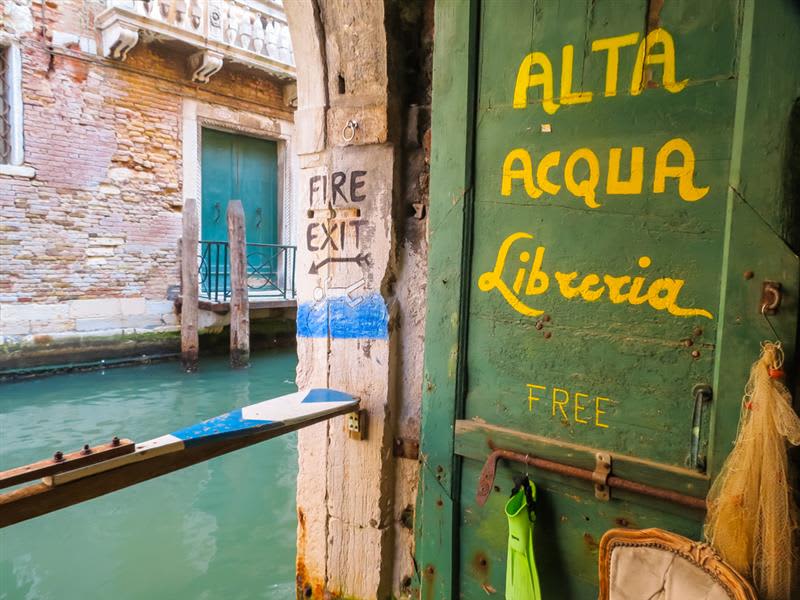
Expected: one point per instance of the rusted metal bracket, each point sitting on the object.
(406, 448)
(600, 475)
(486, 479)
(771, 296)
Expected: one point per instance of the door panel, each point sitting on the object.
(592, 316)
(258, 188)
(219, 183)
(243, 168)
(629, 364)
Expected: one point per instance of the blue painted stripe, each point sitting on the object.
(335, 318)
(326, 395)
(228, 424)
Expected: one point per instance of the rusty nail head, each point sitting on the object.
(697, 332)
(539, 325)
(749, 274)
(430, 570)
(115, 441)
(695, 354)
(58, 456)
(546, 318)
(688, 343)
(440, 469)
(439, 503)
(547, 335)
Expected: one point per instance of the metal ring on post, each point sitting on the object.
(351, 127)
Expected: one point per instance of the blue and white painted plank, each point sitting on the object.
(291, 409)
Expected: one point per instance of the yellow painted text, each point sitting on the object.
(578, 408)
(536, 71)
(526, 264)
(581, 174)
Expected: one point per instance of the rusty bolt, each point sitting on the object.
(547, 335)
(749, 274)
(115, 441)
(697, 331)
(688, 343)
(539, 325)
(695, 354)
(58, 456)
(430, 570)
(546, 318)
(86, 450)
(439, 503)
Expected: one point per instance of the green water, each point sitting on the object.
(223, 529)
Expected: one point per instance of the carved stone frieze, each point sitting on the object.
(247, 32)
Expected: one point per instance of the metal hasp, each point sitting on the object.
(600, 475)
(771, 296)
(703, 394)
(486, 480)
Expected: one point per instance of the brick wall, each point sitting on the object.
(101, 217)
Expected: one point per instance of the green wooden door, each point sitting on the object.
(241, 168)
(603, 239)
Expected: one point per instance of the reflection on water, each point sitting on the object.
(220, 529)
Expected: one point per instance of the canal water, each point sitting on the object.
(220, 529)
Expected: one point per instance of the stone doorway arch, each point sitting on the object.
(363, 95)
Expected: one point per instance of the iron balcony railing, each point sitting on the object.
(270, 271)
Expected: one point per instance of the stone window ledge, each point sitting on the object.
(18, 171)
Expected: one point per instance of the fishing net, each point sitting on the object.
(752, 518)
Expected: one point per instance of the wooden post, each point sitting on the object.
(240, 307)
(189, 287)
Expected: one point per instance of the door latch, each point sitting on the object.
(602, 470)
(703, 394)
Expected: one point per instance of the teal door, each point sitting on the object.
(241, 168)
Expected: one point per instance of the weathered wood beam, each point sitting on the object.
(240, 311)
(190, 342)
(39, 499)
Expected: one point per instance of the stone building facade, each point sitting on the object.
(361, 147)
(106, 153)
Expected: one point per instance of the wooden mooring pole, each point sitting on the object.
(240, 307)
(190, 343)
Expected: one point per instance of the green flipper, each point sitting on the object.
(522, 580)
